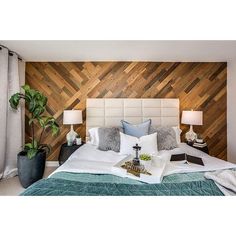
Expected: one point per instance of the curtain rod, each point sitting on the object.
(10, 52)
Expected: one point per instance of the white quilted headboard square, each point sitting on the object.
(105, 112)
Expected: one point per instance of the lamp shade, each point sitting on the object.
(72, 117)
(192, 117)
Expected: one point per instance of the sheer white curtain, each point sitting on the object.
(12, 76)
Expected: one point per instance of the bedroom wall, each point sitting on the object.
(199, 86)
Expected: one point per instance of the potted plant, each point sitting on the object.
(146, 160)
(78, 140)
(31, 160)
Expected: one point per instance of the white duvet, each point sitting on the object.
(88, 159)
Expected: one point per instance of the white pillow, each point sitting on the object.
(178, 132)
(148, 144)
(93, 136)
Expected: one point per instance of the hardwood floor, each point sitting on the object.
(12, 186)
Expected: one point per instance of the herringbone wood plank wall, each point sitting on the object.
(199, 86)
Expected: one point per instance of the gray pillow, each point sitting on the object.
(138, 130)
(109, 139)
(166, 138)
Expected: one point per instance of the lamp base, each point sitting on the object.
(71, 136)
(191, 135)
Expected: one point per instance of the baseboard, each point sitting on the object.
(52, 164)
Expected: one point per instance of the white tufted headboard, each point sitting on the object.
(107, 112)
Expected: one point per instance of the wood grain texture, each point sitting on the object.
(199, 86)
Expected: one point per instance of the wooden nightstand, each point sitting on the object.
(66, 151)
(203, 149)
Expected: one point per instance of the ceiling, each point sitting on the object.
(125, 50)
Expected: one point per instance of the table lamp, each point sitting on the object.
(191, 118)
(72, 117)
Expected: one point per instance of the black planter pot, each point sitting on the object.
(30, 170)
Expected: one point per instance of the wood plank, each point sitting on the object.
(201, 86)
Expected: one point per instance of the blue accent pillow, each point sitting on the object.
(138, 130)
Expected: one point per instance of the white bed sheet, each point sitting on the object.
(88, 159)
(210, 163)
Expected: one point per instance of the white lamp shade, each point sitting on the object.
(72, 117)
(192, 117)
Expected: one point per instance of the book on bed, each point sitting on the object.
(153, 175)
(187, 159)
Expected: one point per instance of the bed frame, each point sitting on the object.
(105, 112)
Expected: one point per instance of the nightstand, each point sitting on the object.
(203, 149)
(66, 151)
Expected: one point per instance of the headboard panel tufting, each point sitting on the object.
(105, 112)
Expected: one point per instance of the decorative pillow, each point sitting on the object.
(148, 144)
(136, 130)
(166, 138)
(109, 139)
(93, 136)
(177, 130)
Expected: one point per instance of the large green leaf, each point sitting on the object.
(31, 153)
(31, 149)
(40, 102)
(32, 105)
(49, 120)
(45, 100)
(55, 129)
(41, 121)
(32, 93)
(27, 98)
(38, 111)
(25, 87)
(14, 100)
(28, 146)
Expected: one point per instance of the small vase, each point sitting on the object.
(78, 141)
(147, 164)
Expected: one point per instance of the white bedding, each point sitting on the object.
(88, 159)
(225, 180)
(210, 163)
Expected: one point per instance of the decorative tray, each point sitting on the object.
(125, 168)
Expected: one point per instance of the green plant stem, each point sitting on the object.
(41, 135)
(32, 128)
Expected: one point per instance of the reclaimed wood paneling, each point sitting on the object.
(199, 86)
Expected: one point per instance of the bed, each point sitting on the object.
(88, 171)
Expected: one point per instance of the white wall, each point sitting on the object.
(231, 110)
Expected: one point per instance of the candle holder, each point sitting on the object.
(136, 160)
